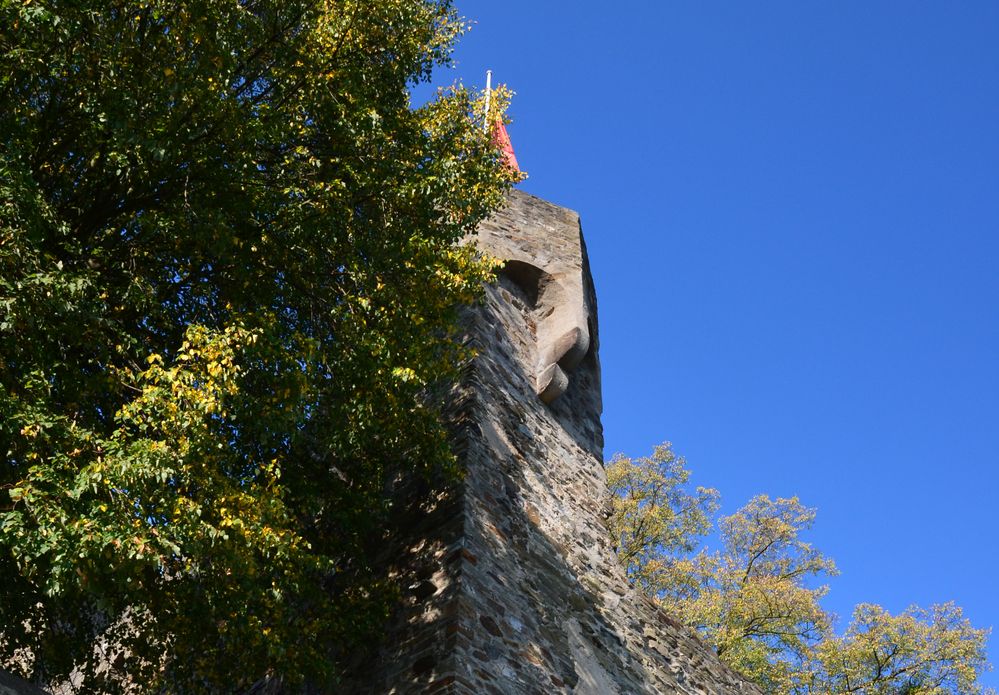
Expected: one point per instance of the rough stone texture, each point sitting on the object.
(15, 685)
(513, 584)
(546, 261)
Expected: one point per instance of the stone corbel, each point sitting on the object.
(561, 315)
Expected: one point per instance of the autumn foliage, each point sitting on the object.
(757, 598)
(228, 268)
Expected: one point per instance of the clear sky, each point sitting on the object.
(792, 212)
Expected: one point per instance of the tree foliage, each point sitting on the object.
(753, 599)
(228, 268)
(756, 600)
(934, 651)
(653, 518)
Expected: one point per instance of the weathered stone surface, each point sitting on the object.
(13, 685)
(545, 260)
(528, 595)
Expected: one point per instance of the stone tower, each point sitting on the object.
(513, 586)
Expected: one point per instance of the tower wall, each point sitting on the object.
(513, 586)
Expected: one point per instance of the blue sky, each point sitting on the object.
(792, 212)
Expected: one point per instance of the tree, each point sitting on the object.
(757, 600)
(933, 651)
(752, 600)
(653, 519)
(228, 269)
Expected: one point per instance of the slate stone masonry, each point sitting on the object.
(513, 586)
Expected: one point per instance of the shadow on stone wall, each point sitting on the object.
(534, 600)
(510, 582)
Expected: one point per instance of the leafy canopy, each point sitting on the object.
(756, 600)
(653, 518)
(228, 264)
(931, 651)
